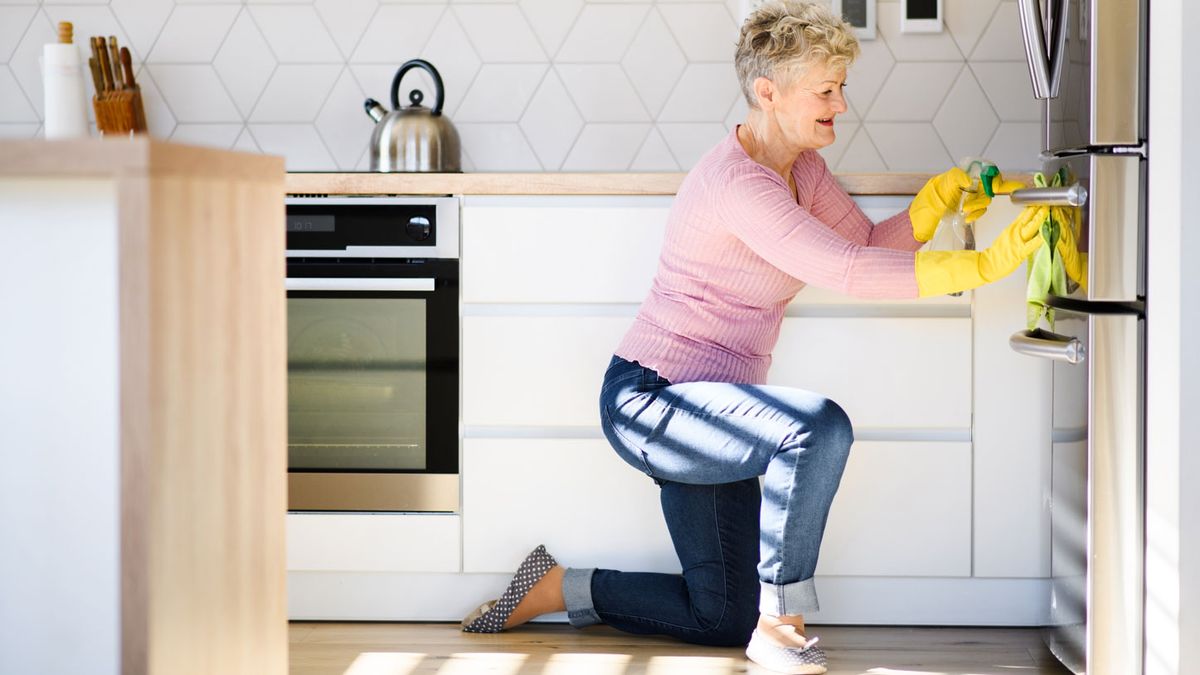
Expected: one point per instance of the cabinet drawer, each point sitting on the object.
(576, 496)
(891, 373)
(373, 542)
(903, 509)
(561, 250)
(901, 373)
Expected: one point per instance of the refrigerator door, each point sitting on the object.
(1096, 502)
(1111, 224)
(1100, 77)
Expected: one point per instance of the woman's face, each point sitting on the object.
(807, 106)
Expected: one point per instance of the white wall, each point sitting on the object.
(1173, 428)
(532, 85)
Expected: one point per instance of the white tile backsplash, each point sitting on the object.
(532, 85)
(602, 33)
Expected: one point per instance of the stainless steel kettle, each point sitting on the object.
(414, 138)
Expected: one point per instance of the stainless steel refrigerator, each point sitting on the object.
(1088, 65)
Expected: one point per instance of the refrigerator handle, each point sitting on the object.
(1035, 47)
(1046, 345)
(1060, 47)
(1067, 195)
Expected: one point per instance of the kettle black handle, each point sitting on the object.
(437, 82)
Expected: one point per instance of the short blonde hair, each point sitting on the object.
(783, 36)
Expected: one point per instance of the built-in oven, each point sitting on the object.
(373, 354)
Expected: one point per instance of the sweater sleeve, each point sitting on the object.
(758, 209)
(831, 204)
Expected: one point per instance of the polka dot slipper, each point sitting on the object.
(806, 660)
(490, 616)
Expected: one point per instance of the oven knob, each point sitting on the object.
(419, 228)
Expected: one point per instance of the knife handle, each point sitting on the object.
(95, 67)
(105, 67)
(127, 66)
(115, 55)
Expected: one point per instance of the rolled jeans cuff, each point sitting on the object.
(577, 595)
(795, 598)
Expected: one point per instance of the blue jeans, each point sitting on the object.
(705, 444)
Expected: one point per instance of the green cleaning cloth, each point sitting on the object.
(1045, 274)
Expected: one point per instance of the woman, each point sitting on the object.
(683, 399)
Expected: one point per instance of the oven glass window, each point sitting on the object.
(357, 389)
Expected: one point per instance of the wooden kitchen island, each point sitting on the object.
(144, 409)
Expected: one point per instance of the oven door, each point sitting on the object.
(373, 372)
(1096, 500)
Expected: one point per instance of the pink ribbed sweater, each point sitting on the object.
(737, 250)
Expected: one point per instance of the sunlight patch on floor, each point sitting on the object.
(690, 665)
(384, 663)
(477, 663)
(587, 664)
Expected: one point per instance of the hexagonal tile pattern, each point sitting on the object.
(296, 34)
(296, 92)
(501, 92)
(500, 33)
(606, 147)
(967, 19)
(497, 147)
(346, 20)
(1007, 86)
(654, 155)
(909, 146)
(450, 52)
(860, 155)
(342, 124)
(867, 74)
(531, 84)
(654, 62)
(194, 93)
(602, 92)
(13, 22)
(551, 20)
(1002, 39)
(245, 63)
(299, 144)
(143, 20)
(913, 92)
(551, 122)
(704, 93)
(14, 107)
(966, 121)
(705, 31)
(396, 33)
(192, 34)
(602, 33)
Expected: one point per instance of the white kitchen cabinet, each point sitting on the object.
(576, 496)
(377, 542)
(887, 373)
(946, 479)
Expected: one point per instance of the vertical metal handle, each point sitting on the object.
(1060, 47)
(1035, 47)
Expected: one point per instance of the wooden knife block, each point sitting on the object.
(120, 112)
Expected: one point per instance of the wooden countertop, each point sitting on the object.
(553, 183)
(131, 155)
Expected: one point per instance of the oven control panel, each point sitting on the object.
(394, 227)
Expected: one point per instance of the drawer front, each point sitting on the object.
(890, 373)
(591, 509)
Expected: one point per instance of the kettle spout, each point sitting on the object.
(374, 109)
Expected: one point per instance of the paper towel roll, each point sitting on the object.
(66, 104)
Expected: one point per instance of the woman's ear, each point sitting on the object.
(766, 92)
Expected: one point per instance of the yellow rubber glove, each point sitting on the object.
(977, 203)
(939, 194)
(1074, 262)
(941, 272)
(942, 193)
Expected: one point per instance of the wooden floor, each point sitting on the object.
(558, 649)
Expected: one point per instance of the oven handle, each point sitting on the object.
(1046, 345)
(319, 284)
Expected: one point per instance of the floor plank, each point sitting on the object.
(556, 649)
